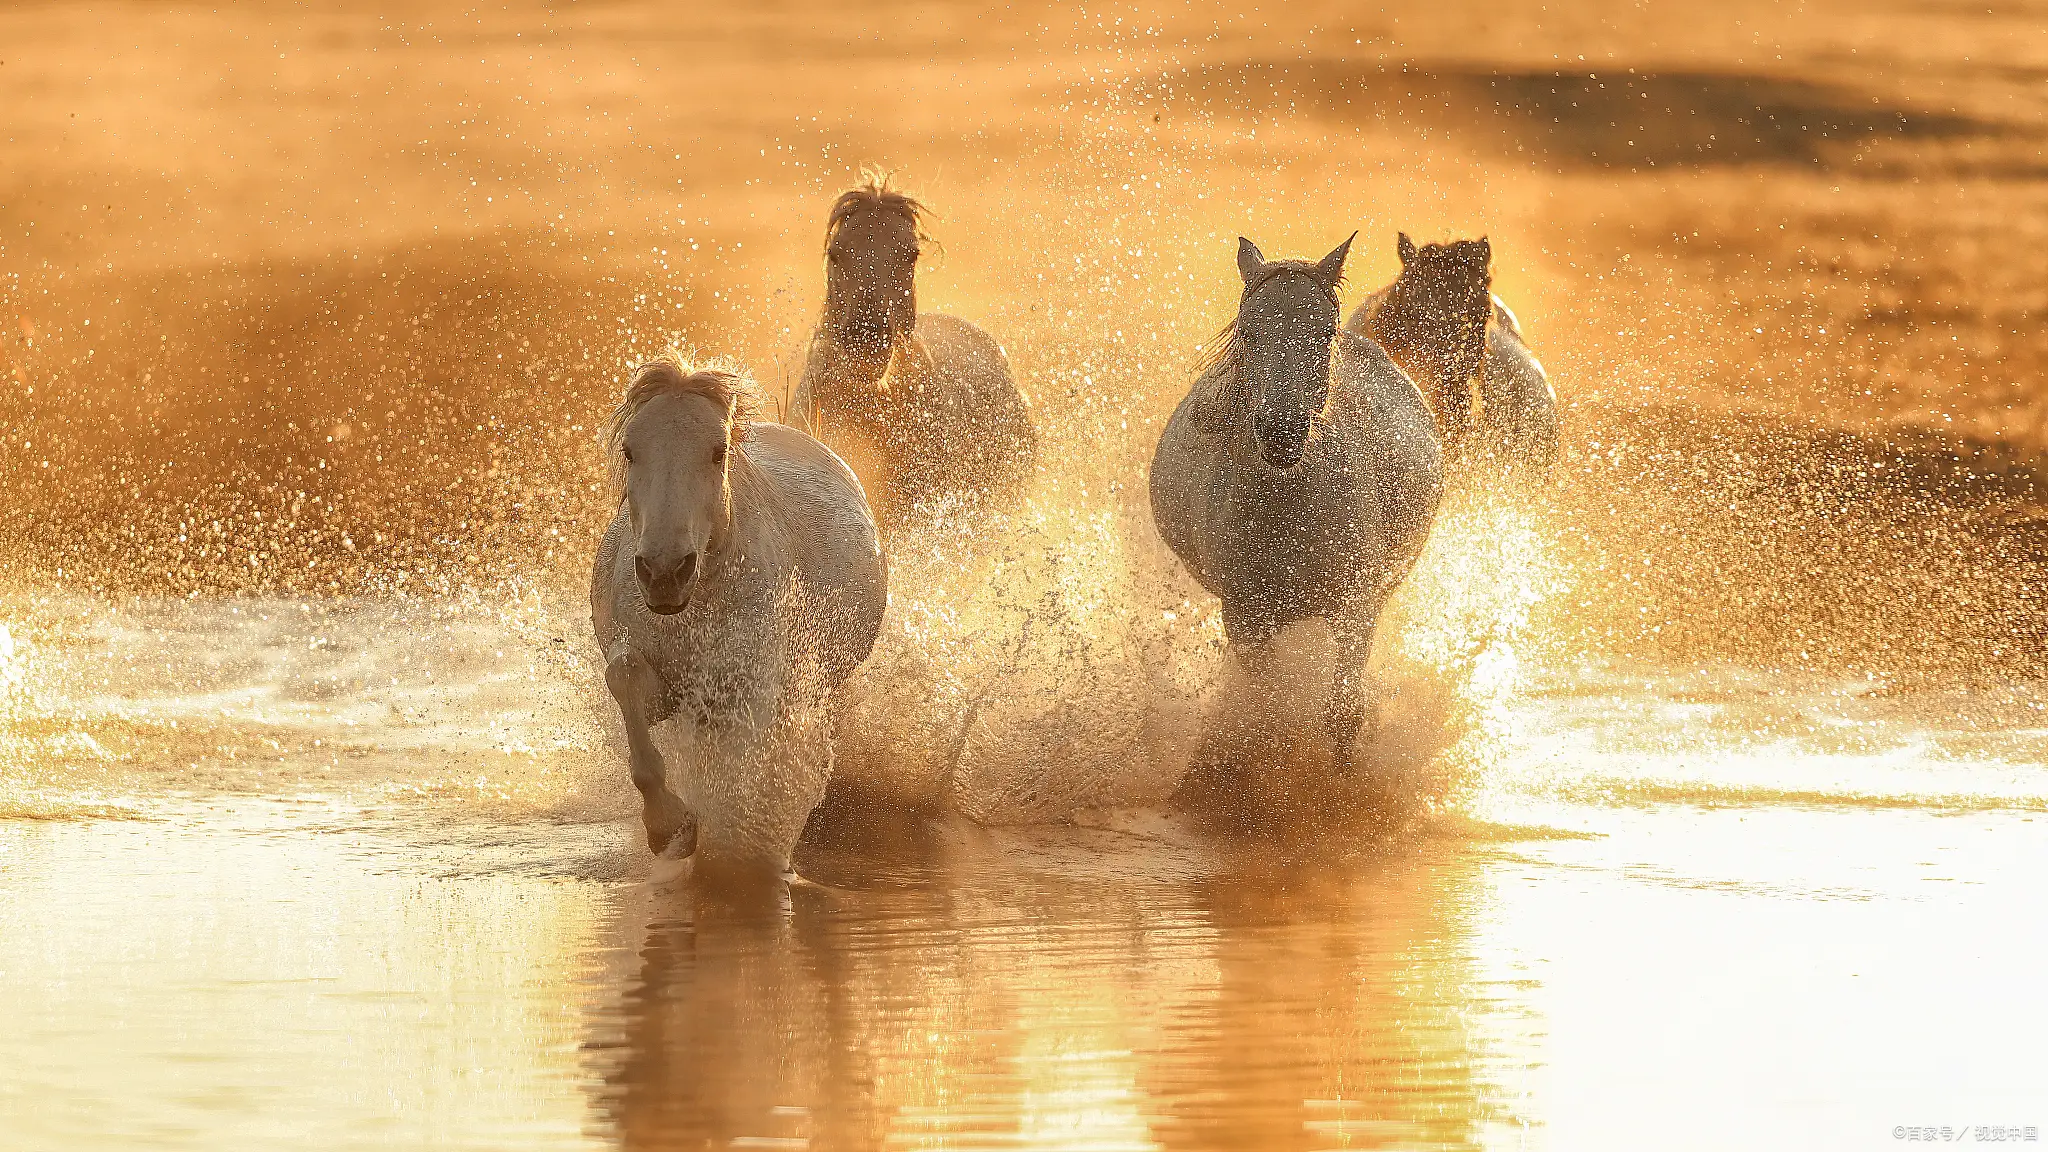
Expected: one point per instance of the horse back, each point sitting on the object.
(1364, 318)
(968, 384)
(1518, 403)
(1504, 318)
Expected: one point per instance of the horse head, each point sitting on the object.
(1447, 294)
(672, 447)
(1286, 322)
(872, 243)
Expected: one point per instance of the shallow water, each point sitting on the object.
(1707, 910)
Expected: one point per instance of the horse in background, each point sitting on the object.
(1441, 323)
(1299, 477)
(739, 583)
(923, 403)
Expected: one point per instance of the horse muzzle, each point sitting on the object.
(1280, 446)
(666, 587)
(1281, 459)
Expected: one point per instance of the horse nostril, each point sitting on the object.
(641, 569)
(687, 570)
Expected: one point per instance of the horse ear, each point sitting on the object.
(1249, 259)
(1404, 246)
(1485, 252)
(1330, 269)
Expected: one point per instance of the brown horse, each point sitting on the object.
(1441, 323)
(923, 405)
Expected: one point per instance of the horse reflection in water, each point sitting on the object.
(930, 1000)
(740, 582)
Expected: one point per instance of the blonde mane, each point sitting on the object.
(671, 375)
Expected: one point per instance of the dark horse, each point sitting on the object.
(1442, 324)
(1300, 476)
(922, 405)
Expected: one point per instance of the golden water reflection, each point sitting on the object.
(991, 997)
(226, 976)
(259, 973)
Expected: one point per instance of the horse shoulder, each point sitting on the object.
(604, 583)
(833, 379)
(1212, 404)
(1401, 431)
(1188, 466)
(1367, 375)
(965, 363)
(814, 505)
(1519, 402)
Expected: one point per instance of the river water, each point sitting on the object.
(363, 874)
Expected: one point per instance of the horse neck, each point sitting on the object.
(1397, 324)
(1401, 328)
(832, 369)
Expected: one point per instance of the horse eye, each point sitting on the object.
(628, 452)
(719, 455)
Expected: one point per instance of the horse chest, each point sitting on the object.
(720, 668)
(1303, 539)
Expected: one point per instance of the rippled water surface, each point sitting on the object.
(1690, 906)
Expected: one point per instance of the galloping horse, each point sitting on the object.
(923, 403)
(1300, 476)
(1442, 324)
(740, 582)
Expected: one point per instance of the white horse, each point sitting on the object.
(740, 583)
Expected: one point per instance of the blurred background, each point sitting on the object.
(331, 299)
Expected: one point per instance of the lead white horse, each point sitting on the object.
(739, 584)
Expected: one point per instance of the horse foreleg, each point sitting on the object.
(640, 693)
(1238, 712)
(1354, 697)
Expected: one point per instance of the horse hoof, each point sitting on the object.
(671, 829)
(680, 844)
